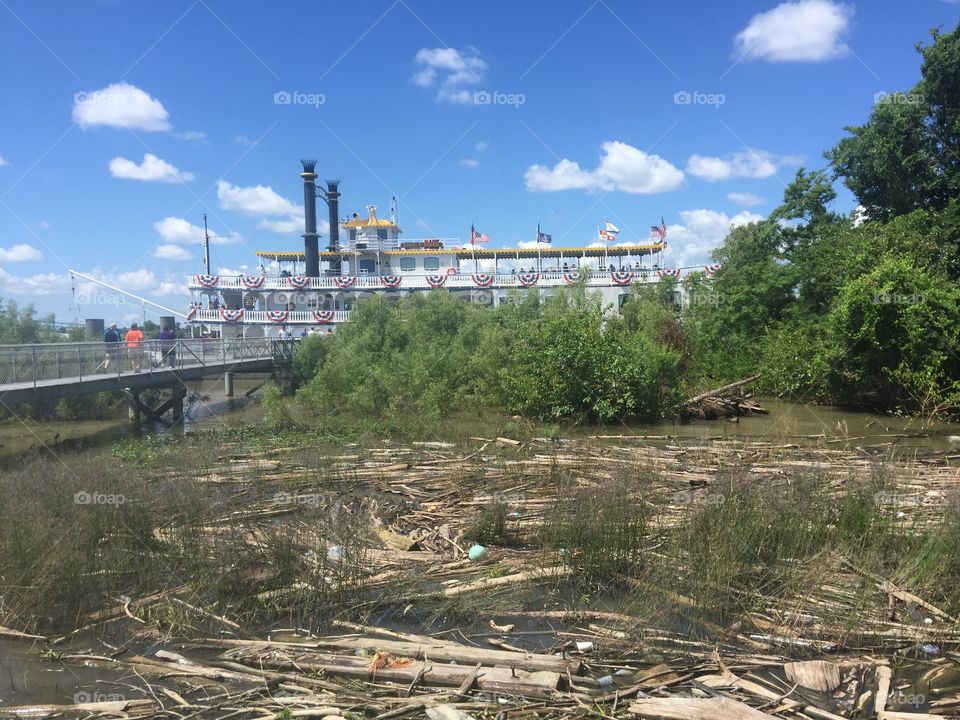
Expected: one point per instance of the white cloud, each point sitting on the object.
(244, 140)
(859, 216)
(701, 232)
(119, 105)
(172, 252)
(291, 224)
(622, 167)
(182, 232)
(39, 284)
(152, 169)
(469, 162)
(450, 71)
(802, 31)
(255, 200)
(481, 146)
(748, 163)
(3, 163)
(20, 253)
(195, 135)
(744, 199)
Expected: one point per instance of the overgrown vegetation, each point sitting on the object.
(860, 310)
(431, 355)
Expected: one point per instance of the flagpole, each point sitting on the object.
(539, 258)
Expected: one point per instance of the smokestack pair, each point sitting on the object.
(311, 238)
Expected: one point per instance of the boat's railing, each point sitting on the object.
(420, 281)
(36, 363)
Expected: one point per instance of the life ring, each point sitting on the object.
(451, 271)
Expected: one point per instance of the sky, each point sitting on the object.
(123, 121)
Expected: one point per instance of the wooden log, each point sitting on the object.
(819, 675)
(487, 583)
(109, 708)
(721, 390)
(494, 679)
(677, 708)
(427, 648)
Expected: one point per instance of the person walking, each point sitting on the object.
(111, 339)
(168, 347)
(134, 340)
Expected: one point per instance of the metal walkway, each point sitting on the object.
(62, 370)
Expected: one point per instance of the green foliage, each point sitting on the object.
(895, 332)
(490, 526)
(432, 354)
(904, 158)
(597, 531)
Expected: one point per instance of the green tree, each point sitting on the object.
(907, 155)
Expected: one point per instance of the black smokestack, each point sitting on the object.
(333, 203)
(311, 240)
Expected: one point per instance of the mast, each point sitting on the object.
(206, 246)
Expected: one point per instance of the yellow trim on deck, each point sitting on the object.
(487, 253)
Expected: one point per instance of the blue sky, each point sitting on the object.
(123, 121)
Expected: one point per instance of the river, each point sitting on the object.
(787, 420)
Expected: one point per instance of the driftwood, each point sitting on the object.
(722, 402)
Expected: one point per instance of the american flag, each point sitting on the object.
(478, 237)
(659, 230)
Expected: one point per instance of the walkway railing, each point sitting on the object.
(32, 364)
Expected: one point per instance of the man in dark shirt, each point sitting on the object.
(168, 346)
(111, 339)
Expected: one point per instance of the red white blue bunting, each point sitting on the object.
(253, 282)
(208, 281)
(528, 279)
(622, 277)
(675, 273)
(482, 279)
(278, 316)
(437, 281)
(231, 316)
(344, 282)
(391, 281)
(570, 278)
(711, 269)
(298, 282)
(323, 316)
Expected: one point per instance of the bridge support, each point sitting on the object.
(228, 384)
(134, 405)
(138, 409)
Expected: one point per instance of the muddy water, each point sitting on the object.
(212, 410)
(29, 678)
(790, 421)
